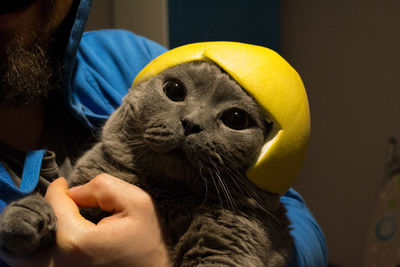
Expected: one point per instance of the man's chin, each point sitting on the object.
(26, 75)
(9, 7)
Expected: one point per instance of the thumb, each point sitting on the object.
(64, 207)
(108, 193)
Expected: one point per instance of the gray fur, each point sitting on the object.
(193, 165)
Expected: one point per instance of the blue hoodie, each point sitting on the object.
(99, 68)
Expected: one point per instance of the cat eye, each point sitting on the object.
(236, 119)
(174, 90)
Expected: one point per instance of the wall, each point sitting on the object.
(193, 21)
(101, 15)
(148, 18)
(347, 52)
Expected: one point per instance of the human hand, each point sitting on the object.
(131, 236)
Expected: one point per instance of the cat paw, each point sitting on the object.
(26, 225)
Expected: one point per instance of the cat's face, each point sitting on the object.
(193, 121)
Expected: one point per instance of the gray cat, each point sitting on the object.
(186, 136)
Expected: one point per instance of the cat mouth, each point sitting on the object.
(182, 159)
(179, 154)
(193, 161)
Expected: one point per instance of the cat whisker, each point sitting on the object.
(224, 188)
(136, 142)
(234, 176)
(250, 193)
(140, 152)
(216, 188)
(227, 193)
(205, 183)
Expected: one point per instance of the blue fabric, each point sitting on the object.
(30, 178)
(99, 69)
(310, 246)
(107, 63)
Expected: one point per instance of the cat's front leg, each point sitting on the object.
(223, 238)
(26, 225)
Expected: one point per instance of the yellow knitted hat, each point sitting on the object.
(277, 88)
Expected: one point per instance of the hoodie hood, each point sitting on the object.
(78, 26)
(81, 10)
(100, 67)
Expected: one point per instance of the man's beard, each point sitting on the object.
(27, 74)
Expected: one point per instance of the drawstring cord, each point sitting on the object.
(30, 178)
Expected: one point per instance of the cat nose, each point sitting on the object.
(190, 127)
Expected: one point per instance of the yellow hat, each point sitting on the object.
(277, 88)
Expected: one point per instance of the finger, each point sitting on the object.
(108, 193)
(64, 207)
(71, 226)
